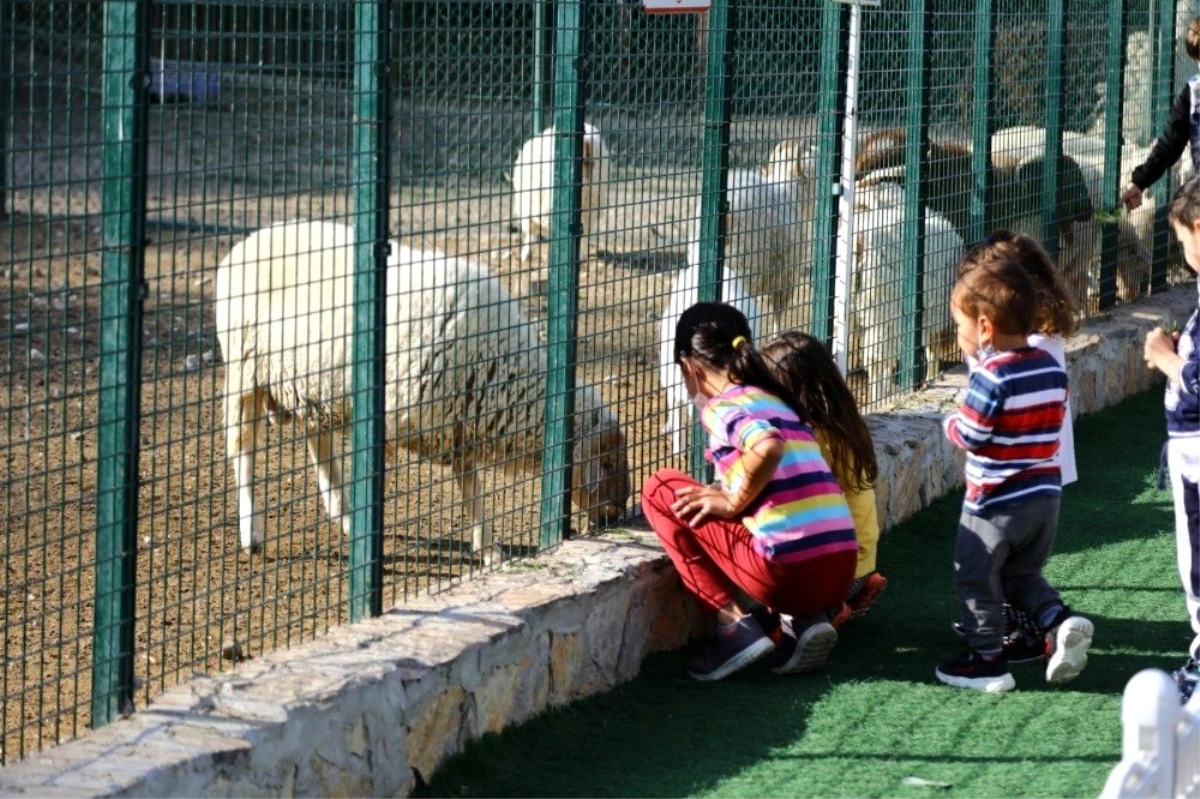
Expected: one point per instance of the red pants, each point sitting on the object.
(718, 555)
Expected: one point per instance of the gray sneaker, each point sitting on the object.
(807, 651)
(733, 648)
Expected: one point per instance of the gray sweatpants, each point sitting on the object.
(999, 557)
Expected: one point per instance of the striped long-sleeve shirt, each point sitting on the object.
(1009, 425)
(802, 512)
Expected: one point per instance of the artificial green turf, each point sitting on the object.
(876, 715)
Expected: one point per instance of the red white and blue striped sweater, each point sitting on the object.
(1009, 425)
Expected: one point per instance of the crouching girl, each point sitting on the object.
(775, 525)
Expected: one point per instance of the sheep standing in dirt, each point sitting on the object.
(533, 185)
(766, 259)
(767, 230)
(465, 373)
(1019, 157)
(877, 281)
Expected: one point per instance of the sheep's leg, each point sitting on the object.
(242, 424)
(481, 530)
(329, 475)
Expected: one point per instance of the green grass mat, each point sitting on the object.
(876, 715)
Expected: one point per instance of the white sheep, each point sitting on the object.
(533, 185)
(876, 285)
(765, 260)
(791, 160)
(465, 372)
(767, 229)
(685, 292)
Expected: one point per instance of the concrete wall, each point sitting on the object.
(370, 708)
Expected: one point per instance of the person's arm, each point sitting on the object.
(760, 448)
(1165, 152)
(1161, 353)
(694, 504)
(972, 425)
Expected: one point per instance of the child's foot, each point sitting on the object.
(734, 647)
(1021, 645)
(1067, 642)
(807, 651)
(1187, 678)
(977, 672)
(843, 615)
(1024, 646)
(872, 587)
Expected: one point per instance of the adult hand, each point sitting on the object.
(694, 504)
(1159, 343)
(1131, 198)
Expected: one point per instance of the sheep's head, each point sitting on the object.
(594, 155)
(791, 159)
(600, 473)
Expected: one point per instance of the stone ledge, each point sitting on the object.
(370, 708)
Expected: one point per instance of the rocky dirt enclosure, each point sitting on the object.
(263, 157)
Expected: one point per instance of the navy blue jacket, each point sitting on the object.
(1182, 125)
(1182, 399)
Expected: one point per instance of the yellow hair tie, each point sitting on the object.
(738, 341)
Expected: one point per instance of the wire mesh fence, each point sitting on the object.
(489, 356)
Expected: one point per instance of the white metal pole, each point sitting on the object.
(845, 252)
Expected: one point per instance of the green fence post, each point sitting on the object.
(831, 100)
(718, 79)
(1052, 162)
(1114, 113)
(916, 192)
(541, 22)
(1164, 76)
(122, 290)
(7, 21)
(571, 18)
(372, 157)
(714, 177)
(981, 121)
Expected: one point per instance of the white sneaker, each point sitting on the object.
(1066, 649)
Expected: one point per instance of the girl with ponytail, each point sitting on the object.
(775, 525)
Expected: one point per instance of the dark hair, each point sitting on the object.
(1056, 313)
(804, 365)
(1191, 39)
(1185, 205)
(707, 331)
(1000, 289)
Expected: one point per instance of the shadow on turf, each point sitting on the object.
(667, 735)
(1113, 659)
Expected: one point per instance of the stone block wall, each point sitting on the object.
(371, 708)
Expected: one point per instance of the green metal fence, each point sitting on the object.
(143, 139)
